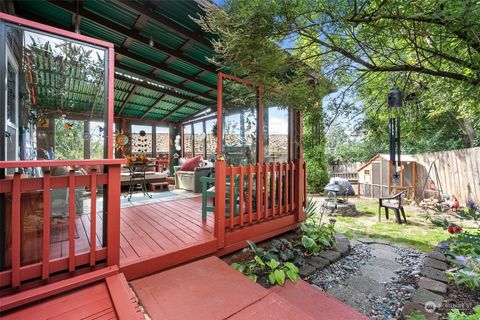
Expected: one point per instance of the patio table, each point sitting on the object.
(137, 176)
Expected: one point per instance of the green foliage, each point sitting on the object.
(316, 235)
(466, 243)
(275, 271)
(314, 151)
(468, 271)
(311, 208)
(416, 315)
(456, 314)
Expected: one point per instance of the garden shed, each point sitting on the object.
(376, 177)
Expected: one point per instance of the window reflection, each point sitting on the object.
(276, 134)
(55, 97)
(199, 139)
(187, 141)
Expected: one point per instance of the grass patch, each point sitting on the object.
(417, 233)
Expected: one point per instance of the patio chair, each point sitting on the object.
(208, 192)
(395, 203)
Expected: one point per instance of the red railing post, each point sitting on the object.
(16, 231)
(46, 226)
(220, 190)
(113, 215)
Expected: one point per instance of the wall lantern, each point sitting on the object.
(395, 103)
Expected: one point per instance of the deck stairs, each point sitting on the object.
(204, 289)
(210, 289)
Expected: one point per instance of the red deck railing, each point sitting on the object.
(258, 192)
(21, 193)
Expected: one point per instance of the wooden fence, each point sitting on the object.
(30, 199)
(458, 172)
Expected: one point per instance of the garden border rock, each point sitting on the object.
(326, 258)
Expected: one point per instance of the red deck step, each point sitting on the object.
(210, 289)
(315, 302)
(110, 298)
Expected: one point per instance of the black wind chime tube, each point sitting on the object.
(394, 102)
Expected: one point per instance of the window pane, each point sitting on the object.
(187, 141)
(142, 140)
(55, 87)
(162, 141)
(199, 139)
(239, 123)
(211, 136)
(276, 135)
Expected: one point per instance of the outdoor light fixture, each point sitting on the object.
(151, 43)
(77, 24)
(394, 102)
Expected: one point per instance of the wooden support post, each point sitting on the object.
(414, 181)
(299, 175)
(260, 125)
(16, 230)
(71, 221)
(113, 215)
(220, 190)
(46, 226)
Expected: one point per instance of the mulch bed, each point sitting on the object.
(461, 298)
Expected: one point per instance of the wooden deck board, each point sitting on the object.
(148, 230)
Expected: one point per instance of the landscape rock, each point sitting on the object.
(317, 262)
(434, 274)
(434, 263)
(432, 285)
(379, 274)
(423, 296)
(306, 270)
(437, 255)
(342, 247)
(411, 307)
(331, 256)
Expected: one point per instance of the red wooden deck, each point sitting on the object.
(110, 298)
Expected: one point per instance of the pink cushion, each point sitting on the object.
(191, 164)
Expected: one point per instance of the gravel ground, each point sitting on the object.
(355, 279)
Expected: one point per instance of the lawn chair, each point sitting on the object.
(395, 203)
(208, 192)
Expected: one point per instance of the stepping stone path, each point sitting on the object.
(375, 278)
(431, 287)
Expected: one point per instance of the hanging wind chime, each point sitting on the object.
(394, 102)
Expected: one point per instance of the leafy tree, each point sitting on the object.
(430, 49)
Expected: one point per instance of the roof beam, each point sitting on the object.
(129, 33)
(158, 89)
(162, 66)
(198, 37)
(192, 115)
(154, 105)
(171, 84)
(180, 106)
(124, 103)
(125, 53)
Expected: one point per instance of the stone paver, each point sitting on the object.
(432, 285)
(386, 253)
(367, 285)
(331, 256)
(437, 255)
(318, 262)
(385, 263)
(434, 263)
(423, 296)
(379, 274)
(352, 297)
(434, 274)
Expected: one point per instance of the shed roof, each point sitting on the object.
(386, 156)
(170, 81)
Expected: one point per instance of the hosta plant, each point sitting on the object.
(467, 272)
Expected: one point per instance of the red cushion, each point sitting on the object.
(191, 164)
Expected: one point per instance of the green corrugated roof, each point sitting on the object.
(191, 93)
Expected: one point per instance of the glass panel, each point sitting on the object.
(199, 139)
(211, 136)
(61, 87)
(276, 134)
(239, 124)
(142, 140)
(162, 139)
(187, 141)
